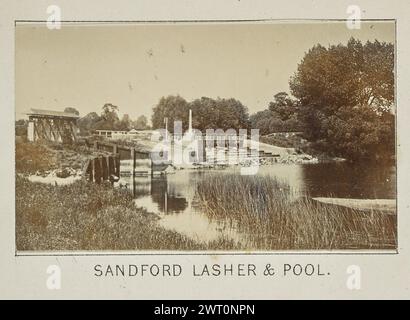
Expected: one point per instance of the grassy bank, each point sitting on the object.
(274, 220)
(33, 157)
(86, 216)
(82, 215)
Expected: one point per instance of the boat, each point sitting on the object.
(385, 205)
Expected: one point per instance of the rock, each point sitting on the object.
(63, 173)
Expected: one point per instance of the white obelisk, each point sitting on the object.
(166, 128)
(190, 123)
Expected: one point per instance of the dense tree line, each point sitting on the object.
(208, 113)
(346, 99)
(109, 120)
(172, 108)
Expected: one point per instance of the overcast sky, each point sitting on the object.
(134, 65)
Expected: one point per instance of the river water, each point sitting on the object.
(173, 198)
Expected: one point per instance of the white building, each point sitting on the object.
(119, 134)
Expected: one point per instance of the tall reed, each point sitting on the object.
(272, 217)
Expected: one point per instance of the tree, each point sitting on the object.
(110, 113)
(207, 113)
(233, 114)
(219, 114)
(175, 108)
(125, 123)
(346, 96)
(109, 118)
(72, 110)
(283, 106)
(141, 123)
(88, 123)
(281, 115)
(21, 126)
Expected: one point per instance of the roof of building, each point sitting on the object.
(52, 113)
(111, 130)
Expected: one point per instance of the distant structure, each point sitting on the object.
(122, 134)
(52, 125)
(192, 147)
(114, 134)
(285, 134)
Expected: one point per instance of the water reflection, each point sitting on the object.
(345, 180)
(173, 197)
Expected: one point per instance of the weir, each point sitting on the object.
(124, 162)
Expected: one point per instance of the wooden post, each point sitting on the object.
(111, 169)
(132, 150)
(91, 170)
(117, 165)
(97, 170)
(104, 169)
(86, 168)
(133, 162)
(114, 165)
(107, 161)
(93, 166)
(114, 159)
(100, 161)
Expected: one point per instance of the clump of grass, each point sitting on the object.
(87, 216)
(33, 157)
(273, 219)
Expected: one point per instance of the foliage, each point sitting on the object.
(281, 116)
(33, 157)
(208, 113)
(346, 97)
(125, 123)
(42, 156)
(283, 106)
(21, 127)
(88, 123)
(174, 108)
(72, 110)
(141, 123)
(109, 112)
(109, 120)
(219, 114)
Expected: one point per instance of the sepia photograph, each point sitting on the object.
(223, 136)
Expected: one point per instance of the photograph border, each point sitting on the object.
(108, 253)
